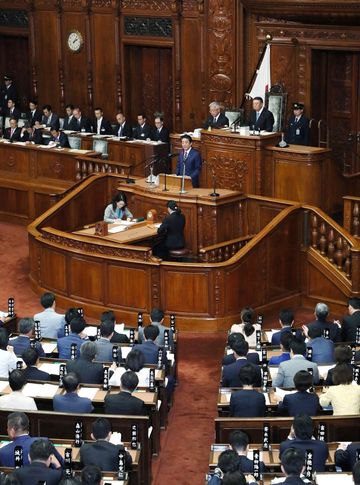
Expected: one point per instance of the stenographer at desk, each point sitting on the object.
(117, 210)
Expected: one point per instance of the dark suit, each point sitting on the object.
(163, 136)
(346, 458)
(323, 350)
(64, 345)
(34, 116)
(103, 454)
(22, 343)
(230, 375)
(319, 448)
(105, 127)
(88, 372)
(13, 137)
(329, 378)
(124, 130)
(7, 92)
(275, 339)
(53, 122)
(221, 121)
(298, 131)
(119, 338)
(81, 124)
(15, 113)
(150, 351)
(25, 441)
(300, 402)
(72, 403)
(36, 472)
(247, 466)
(36, 137)
(252, 357)
(124, 403)
(247, 403)
(192, 165)
(332, 327)
(264, 122)
(69, 123)
(62, 140)
(349, 326)
(143, 132)
(291, 480)
(277, 359)
(32, 373)
(172, 228)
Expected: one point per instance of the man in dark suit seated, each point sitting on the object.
(239, 442)
(216, 119)
(157, 318)
(103, 453)
(71, 402)
(123, 127)
(321, 313)
(351, 322)
(101, 126)
(322, 348)
(123, 402)
(149, 348)
(293, 465)
(247, 402)
(346, 455)
(32, 134)
(301, 401)
(104, 347)
(230, 374)
(23, 341)
(50, 119)
(13, 133)
(252, 357)
(12, 111)
(32, 373)
(87, 370)
(18, 431)
(81, 123)
(59, 138)
(76, 336)
(286, 320)
(189, 161)
(69, 120)
(117, 338)
(143, 130)
(34, 114)
(42, 455)
(260, 118)
(161, 133)
(300, 437)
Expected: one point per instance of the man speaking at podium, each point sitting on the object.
(189, 160)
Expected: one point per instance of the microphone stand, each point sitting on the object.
(214, 193)
(183, 191)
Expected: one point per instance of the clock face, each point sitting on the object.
(75, 41)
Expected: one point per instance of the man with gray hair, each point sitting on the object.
(321, 313)
(88, 372)
(23, 341)
(216, 119)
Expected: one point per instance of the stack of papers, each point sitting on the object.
(49, 347)
(40, 390)
(89, 392)
(50, 368)
(117, 229)
(281, 393)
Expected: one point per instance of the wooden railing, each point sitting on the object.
(86, 166)
(352, 215)
(223, 251)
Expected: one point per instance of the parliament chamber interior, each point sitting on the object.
(180, 242)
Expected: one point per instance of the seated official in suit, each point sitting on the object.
(247, 327)
(240, 443)
(13, 133)
(117, 210)
(101, 125)
(343, 355)
(8, 358)
(322, 348)
(351, 322)
(301, 401)
(216, 119)
(143, 130)
(248, 402)
(69, 119)
(346, 455)
(7, 91)
(18, 432)
(81, 123)
(50, 119)
(252, 357)
(12, 111)
(260, 118)
(157, 318)
(16, 400)
(103, 453)
(88, 371)
(123, 127)
(321, 313)
(42, 456)
(227, 471)
(172, 228)
(31, 372)
(189, 161)
(31, 134)
(288, 369)
(301, 438)
(285, 340)
(123, 402)
(230, 374)
(76, 336)
(50, 322)
(149, 348)
(298, 129)
(135, 361)
(293, 466)
(161, 133)
(69, 315)
(104, 347)
(59, 139)
(117, 338)
(286, 320)
(34, 114)
(23, 341)
(343, 396)
(71, 402)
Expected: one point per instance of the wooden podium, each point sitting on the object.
(173, 182)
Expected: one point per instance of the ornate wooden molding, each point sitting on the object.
(14, 18)
(148, 26)
(150, 5)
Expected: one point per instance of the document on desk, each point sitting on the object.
(89, 392)
(40, 390)
(91, 331)
(125, 351)
(282, 393)
(324, 369)
(52, 368)
(49, 347)
(117, 229)
(120, 327)
(334, 479)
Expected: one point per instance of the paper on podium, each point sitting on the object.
(89, 392)
(50, 368)
(282, 393)
(40, 390)
(49, 347)
(117, 229)
(3, 385)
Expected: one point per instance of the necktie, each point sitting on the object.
(257, 115)
(186, 153)
(120, 130)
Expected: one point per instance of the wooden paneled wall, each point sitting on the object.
(212, 48)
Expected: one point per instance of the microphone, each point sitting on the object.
(148, 161)
(214, 193)
(172, 155)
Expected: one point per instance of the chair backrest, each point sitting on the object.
(75, 142)
(61, 122)
(100, 146)
(21, 123)
(7, 122)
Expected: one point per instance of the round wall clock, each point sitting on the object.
(75, 41)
